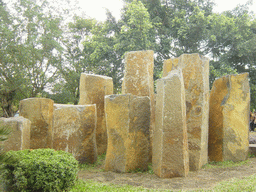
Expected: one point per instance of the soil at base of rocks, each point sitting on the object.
(205, 178)
(202, 179)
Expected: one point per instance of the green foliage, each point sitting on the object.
(135, 28)
(30, 49)
(40, 170)
(40, 55)
(4, 132)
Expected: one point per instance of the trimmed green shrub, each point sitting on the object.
(40, 170)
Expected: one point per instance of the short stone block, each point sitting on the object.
(93, 88)
(74, 131)
(229, 118)
(19, 138)
(40, 112)
(170, 142)
(128, 122)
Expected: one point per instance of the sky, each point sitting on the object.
(96, 8)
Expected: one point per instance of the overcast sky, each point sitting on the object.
(96, 8)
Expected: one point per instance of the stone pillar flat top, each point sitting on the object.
(175, 72)
(18, 119)
(232, 75)
(94, 75)
(140, 51)
(70, 105)
(36, 98)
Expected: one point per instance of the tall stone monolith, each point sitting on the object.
(195, 69)
(19, 137)
(170, 143)
(229, 118)
(128, 122)
(138, 80)
(40, 112)
(93, 88)
(74, 128)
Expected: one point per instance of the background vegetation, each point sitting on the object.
(44, 51)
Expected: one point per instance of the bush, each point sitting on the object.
(40, 170)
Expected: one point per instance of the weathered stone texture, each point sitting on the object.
(19, 138)
(138, 79)
(170, 143)
(40, 112)
(229, 118)
(195, 69)
(93, 88)
(74, 131)
(128, 122)
(169, 65)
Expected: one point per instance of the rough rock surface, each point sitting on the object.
(195, 69)
(128, 122)
(252, 139)
(170, 143)
(138, 80)
(40, 112)
(74, 131)
(229, 118)
(19, 138)
(93, 88)
(169, 65)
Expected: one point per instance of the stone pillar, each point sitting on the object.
(93, 88)
(40, 112)
(229, 118)
(138, 80)
(19, 138)
(169, 64)
(170, 143)
(195, 69)
(128, 121)
(74, 131)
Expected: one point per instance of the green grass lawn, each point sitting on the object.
(248, 184)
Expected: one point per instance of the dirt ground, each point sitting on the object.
(203, 179)
(206, 178)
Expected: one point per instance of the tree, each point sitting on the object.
(232, 44)
(135, 28)
(73, 61)
(30, 50)
(110, 40)
(179, 26)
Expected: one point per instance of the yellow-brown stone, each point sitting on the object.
(195, 69)
(169, 64)
(229, 118)
(74, 131)
(128, 122)
(93, 88)
(170, 143)
(19, 138)
(138, 79)
(40, 112)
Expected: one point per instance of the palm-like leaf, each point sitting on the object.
(4, 132)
